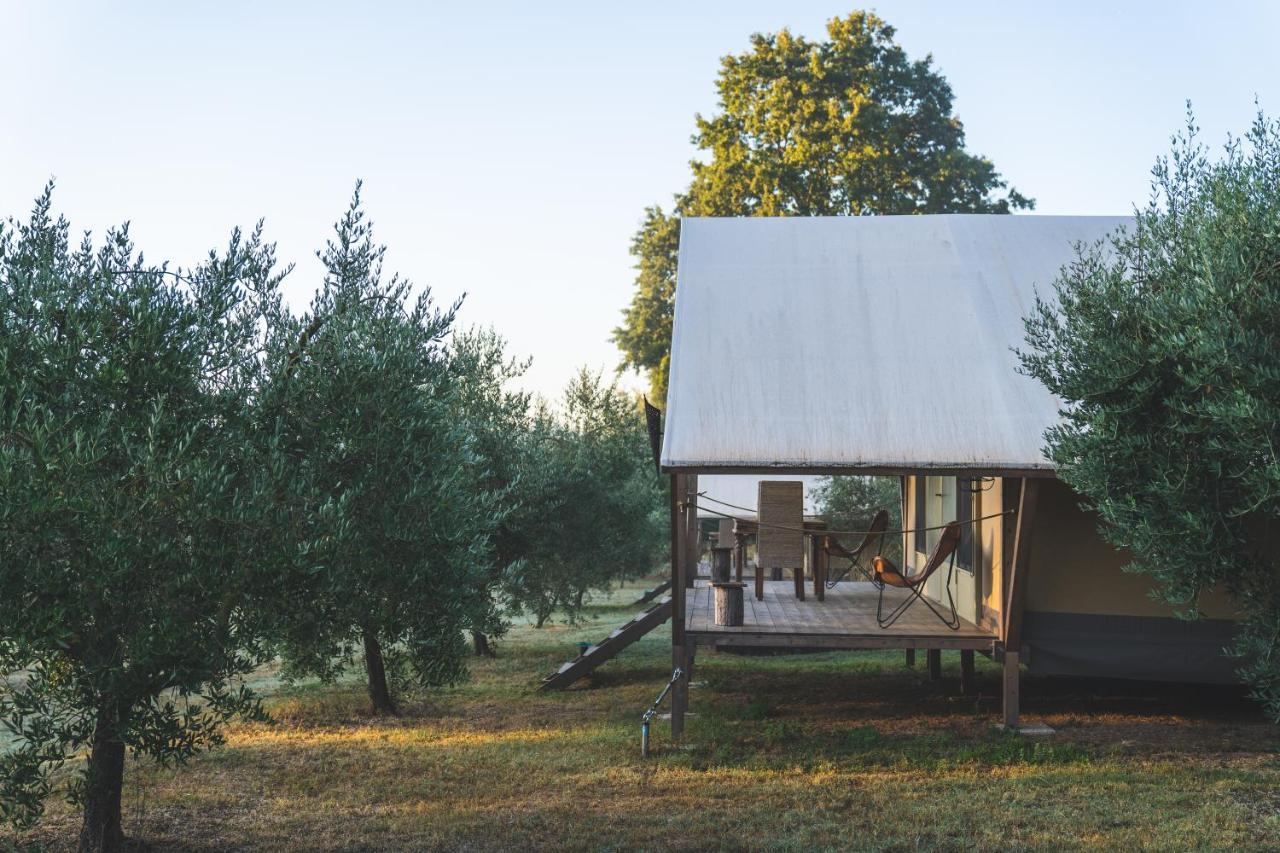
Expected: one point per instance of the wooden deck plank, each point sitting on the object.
(847, 616)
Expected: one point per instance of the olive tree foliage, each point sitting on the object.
(136, 530)
(1165, 345)
(591, 505)
(388, 474)
(850, 502)
(498, 418)
(848, 125)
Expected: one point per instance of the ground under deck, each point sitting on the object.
(846, 620)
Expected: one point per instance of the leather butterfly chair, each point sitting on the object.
(874, 534)
(889, 575)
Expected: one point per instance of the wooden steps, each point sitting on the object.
(609, 647)
(651, 594)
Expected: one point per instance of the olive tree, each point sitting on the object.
(135, 525)
(498, 417)
(1164, 343)
(591, 507)
(387, 477)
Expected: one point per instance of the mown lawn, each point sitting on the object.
(830, 751)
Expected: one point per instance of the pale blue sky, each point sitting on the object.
(508, 150)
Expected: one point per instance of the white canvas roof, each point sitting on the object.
(741, 490)
(877, 343)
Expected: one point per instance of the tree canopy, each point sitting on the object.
(193, 480)
(389, 477)
(590, 508)
(844, 126)
(1165, 346)
(135, 523)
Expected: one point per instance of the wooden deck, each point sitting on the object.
(846, 620)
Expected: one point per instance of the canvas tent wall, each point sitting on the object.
(1084, 614)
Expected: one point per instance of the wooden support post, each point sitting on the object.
(1010, 692)
(935, 663)
(679, 555)
(966, 671)
(1016, 596)
(692, 533)
(739, 555)
(799, 579)
(911, 657)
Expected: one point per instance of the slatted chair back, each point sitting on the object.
(780, 508)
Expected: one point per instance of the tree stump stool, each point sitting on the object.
(729, 607)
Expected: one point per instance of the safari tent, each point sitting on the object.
(885, 345)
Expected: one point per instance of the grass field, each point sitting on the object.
(830, 751)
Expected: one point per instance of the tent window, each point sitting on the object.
(919, 490)
(964, 515)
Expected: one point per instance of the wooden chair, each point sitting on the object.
(875, 534)
(889, 575)
(780, 539)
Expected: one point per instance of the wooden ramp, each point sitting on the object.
(651, 594)
(607, 648)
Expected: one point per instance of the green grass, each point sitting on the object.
(828, 751)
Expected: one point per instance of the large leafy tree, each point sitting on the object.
(845, 126)
(371, 419)
(135, 524)
(1165, 346)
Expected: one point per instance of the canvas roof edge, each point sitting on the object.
(945, 470)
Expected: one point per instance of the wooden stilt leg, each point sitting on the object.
(679, 569)
(1011, 689)
(799, 577)
(911, 657)
(759, 582)
(966, 671)
(935, 663)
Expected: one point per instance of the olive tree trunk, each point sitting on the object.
(480, 643)
(104, 780)
(379, 694)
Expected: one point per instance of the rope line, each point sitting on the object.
(772, 526)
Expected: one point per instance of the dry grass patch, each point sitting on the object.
(831, 751)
